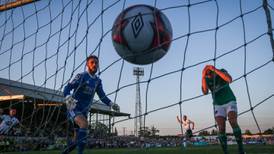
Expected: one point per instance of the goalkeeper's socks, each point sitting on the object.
(238, 136)
(71, 144)
(69, 148)
(223, 141)
(81, 140)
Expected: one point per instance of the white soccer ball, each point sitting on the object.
(141, 34)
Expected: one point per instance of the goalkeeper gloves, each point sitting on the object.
(115, 107)
(70, 102)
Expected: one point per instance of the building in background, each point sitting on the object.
(42, 110)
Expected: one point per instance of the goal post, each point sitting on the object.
(13, 4)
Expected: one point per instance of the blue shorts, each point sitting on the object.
(73, 113)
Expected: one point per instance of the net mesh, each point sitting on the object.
(45, 44)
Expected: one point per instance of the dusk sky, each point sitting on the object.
(35, 47)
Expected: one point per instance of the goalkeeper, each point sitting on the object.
(84, 86)
(224, 101)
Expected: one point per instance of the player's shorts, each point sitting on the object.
(4, 130)
(188, 133)
(223, 110)
(73, 113)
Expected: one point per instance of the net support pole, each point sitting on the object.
(269, 25)
(14, 4)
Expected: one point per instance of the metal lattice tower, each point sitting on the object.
(137, 71)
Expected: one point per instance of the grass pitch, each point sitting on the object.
(250, 149)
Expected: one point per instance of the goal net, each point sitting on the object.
(44, 44)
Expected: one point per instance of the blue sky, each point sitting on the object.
(24, 45)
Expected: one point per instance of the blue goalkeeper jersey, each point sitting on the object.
(84, 86)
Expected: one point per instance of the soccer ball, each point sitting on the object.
(141, 34)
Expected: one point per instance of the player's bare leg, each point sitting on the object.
(82, 122)
(222, 134)
(232, 118)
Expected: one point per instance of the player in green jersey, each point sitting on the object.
(224, 101)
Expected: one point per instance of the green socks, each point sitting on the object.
(223, 141)
(238, 136)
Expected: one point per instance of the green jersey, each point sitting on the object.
(221, 91)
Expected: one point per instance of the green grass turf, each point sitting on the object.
(250, 149)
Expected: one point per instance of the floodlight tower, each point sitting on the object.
(138, 71)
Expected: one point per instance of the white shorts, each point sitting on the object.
(223, 110)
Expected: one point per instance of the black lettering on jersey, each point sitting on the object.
(77, 77)
(9, 123)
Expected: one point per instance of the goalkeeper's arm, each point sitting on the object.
(105, 99)
(74, 84)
